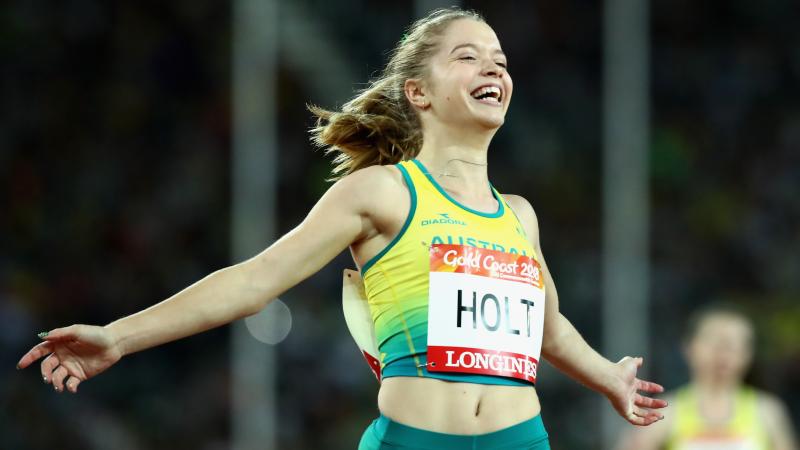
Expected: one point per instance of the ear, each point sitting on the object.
(415, 91)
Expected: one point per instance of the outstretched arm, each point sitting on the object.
(566, 349)
(245, 288)
(341, 217)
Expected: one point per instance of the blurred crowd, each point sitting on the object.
(115, 141)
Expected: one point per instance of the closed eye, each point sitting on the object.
(467, 58)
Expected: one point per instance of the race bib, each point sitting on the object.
(485, 312)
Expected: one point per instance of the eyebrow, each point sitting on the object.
(473, 46)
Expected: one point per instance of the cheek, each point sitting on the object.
(745, 357)
(699, 355)
(449, 88)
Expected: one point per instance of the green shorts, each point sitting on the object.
(386, 434)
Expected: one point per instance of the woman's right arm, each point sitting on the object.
(337, 220)
(653, 437)
(342, 216)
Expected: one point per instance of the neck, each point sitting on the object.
(458, 159)
(708, 387)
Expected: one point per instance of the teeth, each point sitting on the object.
(488, 90)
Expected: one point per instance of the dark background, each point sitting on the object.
(115, 145)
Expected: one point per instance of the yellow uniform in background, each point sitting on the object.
(742, 431)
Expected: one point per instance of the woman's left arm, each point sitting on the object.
(566, 349)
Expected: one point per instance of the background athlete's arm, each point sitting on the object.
(340, 218)
(776, 419)
(566, 349)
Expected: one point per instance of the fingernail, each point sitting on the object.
(42, 335)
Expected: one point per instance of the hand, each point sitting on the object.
(78, 352)
(632, 406)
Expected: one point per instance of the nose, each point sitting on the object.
(492, 69)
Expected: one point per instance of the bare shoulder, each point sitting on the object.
(379, 195)
(372, 185)
(521, 206)
(525, 213)
(376, 177)
(771, 406)
(775, 417)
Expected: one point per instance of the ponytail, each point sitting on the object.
(379, 126)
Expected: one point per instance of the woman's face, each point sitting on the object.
(467, 81)
(721, 348)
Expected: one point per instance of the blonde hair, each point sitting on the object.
(379, 126)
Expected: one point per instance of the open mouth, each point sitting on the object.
(488, 94)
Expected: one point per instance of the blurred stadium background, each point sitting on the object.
(115, 192)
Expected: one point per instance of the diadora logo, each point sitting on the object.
(443, 219)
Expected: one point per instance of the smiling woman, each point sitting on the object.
(383, 125)
(462, 303)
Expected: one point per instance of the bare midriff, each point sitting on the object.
(456, 408)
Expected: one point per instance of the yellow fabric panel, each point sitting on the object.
(743, 431)
(396, 280)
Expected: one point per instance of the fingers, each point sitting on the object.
(643, 417)
(48, 366)
(648, 386)
(648, 402)
(72, 384)
(51, 369)
(634, 419)
(637, 360)
(63, 380)
(647, 414)
(46, 347)
(38, 351)
(641, 421)
(62, 334)
(58, 378)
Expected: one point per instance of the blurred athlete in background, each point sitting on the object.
(716, 410)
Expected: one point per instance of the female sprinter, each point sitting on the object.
(716, 410)
(416, 209)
